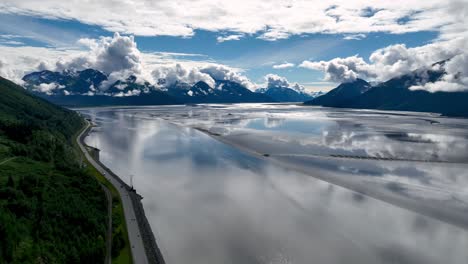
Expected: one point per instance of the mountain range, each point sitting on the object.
(395, 94)
(223, 92)
(82, 88)
(287, 94)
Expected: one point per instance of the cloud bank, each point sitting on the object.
(223, 72)
(341, 69)
(396, 60)
(109, 55)
(119, 58)
(276, 81)
(180, 73)
(270, 20)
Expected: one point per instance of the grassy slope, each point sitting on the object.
(51, 210)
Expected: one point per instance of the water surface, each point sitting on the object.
(209, 202)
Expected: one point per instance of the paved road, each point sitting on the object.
(134, 236)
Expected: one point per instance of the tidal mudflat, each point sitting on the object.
(270, 183)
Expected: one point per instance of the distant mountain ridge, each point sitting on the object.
(286, 94)
(395, 94)
(82, 88)
(223, 92)
(343, 94)
(86, 82)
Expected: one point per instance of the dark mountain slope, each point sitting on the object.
(285, 94)
(395, 94)
(84, 88)
(73, 82)
(342, 95)
(20, 108)
(51, 211)
(223, 92)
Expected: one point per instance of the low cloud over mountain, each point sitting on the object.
(399, 94)
(119, 58)
(275, 81)
(397, 60)
(281, 90)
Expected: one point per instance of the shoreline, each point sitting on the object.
(153, 253)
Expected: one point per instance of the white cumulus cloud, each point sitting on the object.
(276, 81)
(271, 20)
(118, 57)
(341, 69)
(358, 36)
(223, 72)
(283, 65)
(108, 54)
(48, 87)
(179, 73)
(396, 60)
(18, 61)
(455, 79)
(229, 37)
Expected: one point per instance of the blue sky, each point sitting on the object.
(34, 27)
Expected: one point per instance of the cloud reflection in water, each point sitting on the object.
(210, 203)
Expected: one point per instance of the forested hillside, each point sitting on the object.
(51, 211)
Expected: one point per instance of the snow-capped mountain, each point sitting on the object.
(92, 87)
(81, 87)
(223, 92)
(87, 82)
(288, 94)
(395, 94)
